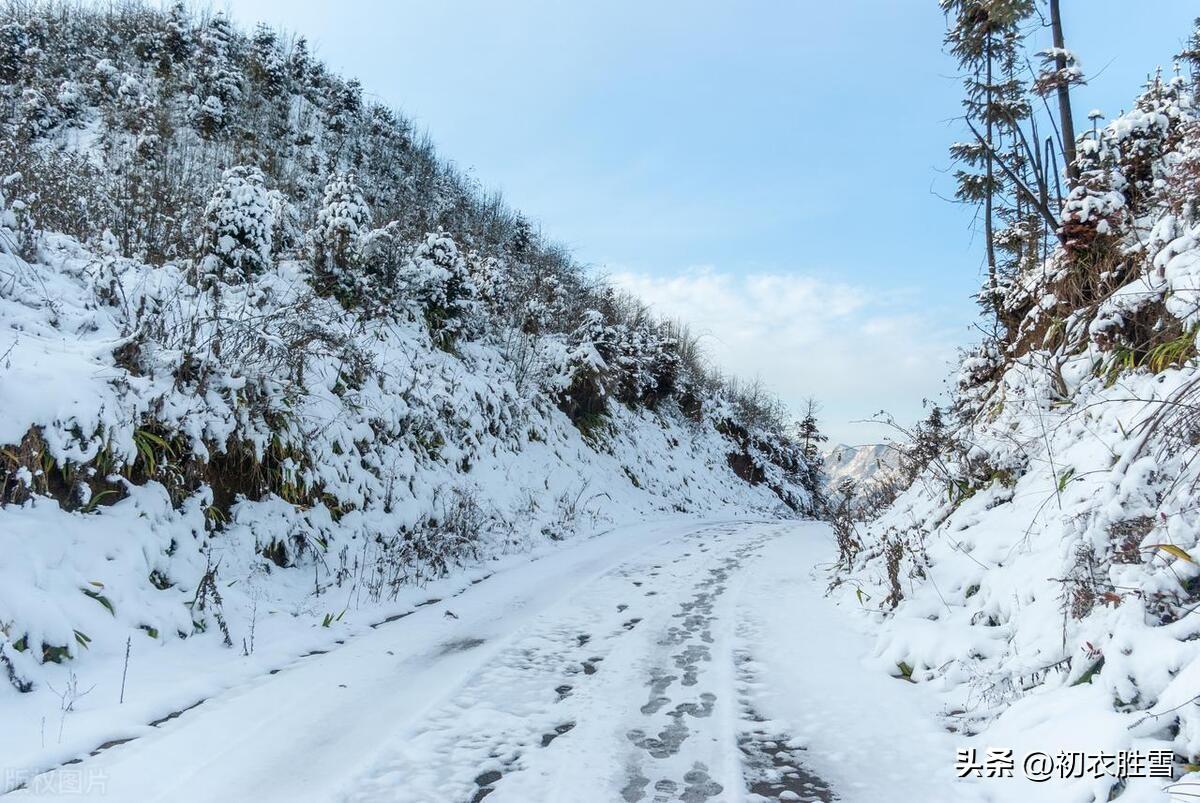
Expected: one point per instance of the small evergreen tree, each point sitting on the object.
(521, 240)
(218, 80)
(267, 67)
(438, 279)
(342, 106)
(17, 214)
(178, 43)
(300, 64)
(810, 438)
(929, 440)
(239, 224)
(14, 44)
(342, 221)
(1191, 55)
(583, 392)
(287, 236)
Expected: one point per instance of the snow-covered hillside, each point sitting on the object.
(1042, 571)
(267, 364)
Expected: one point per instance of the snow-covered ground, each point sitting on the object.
(680, 660)
(1053, 610)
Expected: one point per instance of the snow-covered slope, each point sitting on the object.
(1041, 573)
(267, 364)
(125, 519)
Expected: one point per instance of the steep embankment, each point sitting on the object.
(266, 362)
(1042, 570)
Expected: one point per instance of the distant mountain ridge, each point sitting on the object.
(864, 464)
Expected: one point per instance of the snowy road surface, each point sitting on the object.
(664, 662)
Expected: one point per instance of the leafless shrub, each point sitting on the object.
(208, 596)
(1084, 586)
(429, 549)
(571, 510)
(68, 697)
(893, 552)
(844, 517)
(1127, 537)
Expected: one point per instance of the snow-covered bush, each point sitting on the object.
(239, 224)
(342, 221)
(438, 280)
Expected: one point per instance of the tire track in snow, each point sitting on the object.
(685, 689)
(772, 762)
(529, 699)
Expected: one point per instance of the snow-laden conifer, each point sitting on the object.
(239, 224)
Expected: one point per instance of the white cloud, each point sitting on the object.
(856, 350)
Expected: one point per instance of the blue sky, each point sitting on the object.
(769, 171)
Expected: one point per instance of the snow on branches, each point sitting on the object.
(239, 224)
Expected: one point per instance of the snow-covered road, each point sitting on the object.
(662, 662)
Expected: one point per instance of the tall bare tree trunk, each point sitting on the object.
(990, 149)
(1064, 95)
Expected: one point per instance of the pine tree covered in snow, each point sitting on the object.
(438, 279)
(810, 438)
(342, 222)
(239, 225)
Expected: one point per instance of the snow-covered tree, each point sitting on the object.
(439, 280)
(178, 41)
(300, 63)
(38, 113)
(70, 101)
(239, 225)
(267, 66)
(1190, 54)
(928, 442)
(493, 281)
(647, 360)
(14, 44)
(343, 105)
(218, 78)
(287, 235)
(17, 215)
(521, 239)
(809, 437)
(342, 221)
(582, 388)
